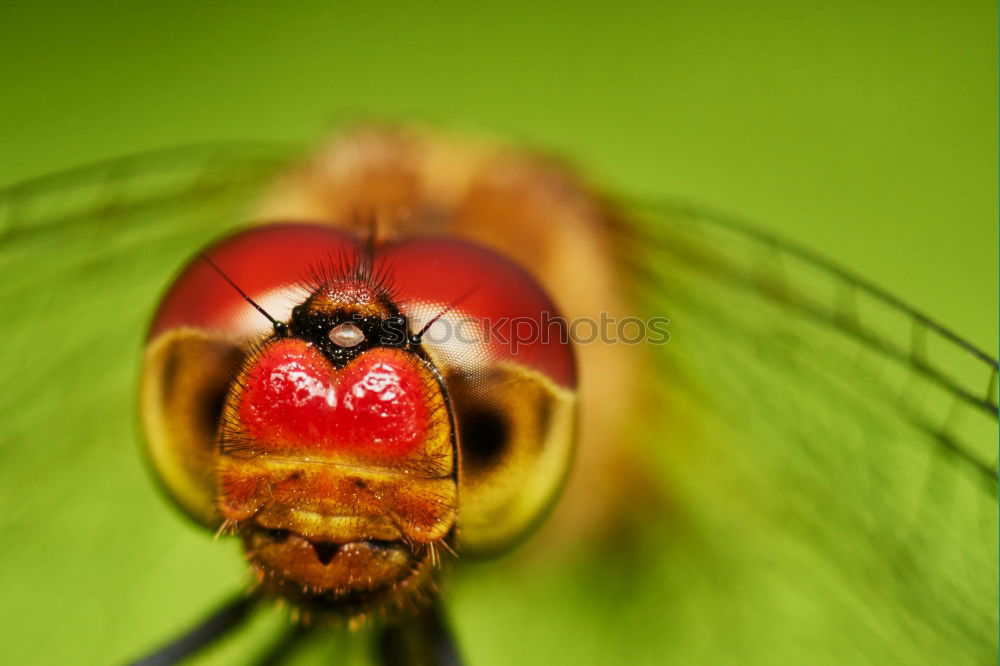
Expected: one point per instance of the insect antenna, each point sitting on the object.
(279, 327)
(448, 308)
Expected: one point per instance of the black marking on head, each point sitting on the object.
(169, 372)
(485, 437)
(315, 328)
(195, 379)
(213, 402)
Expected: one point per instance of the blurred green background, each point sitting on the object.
(866, 130)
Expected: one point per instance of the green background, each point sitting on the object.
(866, 130)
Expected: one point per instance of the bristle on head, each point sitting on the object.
(354, 274)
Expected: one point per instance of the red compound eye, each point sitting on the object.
(488, 298)
(269, 263)
(495, 302)
(379, 405)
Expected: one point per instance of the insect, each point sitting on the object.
(346, 436)
(805, 471)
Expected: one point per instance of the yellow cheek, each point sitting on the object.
(517, 430)
(516, 435)
(185, 377)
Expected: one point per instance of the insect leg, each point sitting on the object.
(420, 640)
(228, 617)
(285, 647)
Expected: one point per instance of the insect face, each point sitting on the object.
(337, 455)
(342, 436)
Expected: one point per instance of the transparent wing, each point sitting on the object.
(825, 457)
(828, 467)
(91, 552)
(842, 469)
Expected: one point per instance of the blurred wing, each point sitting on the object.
(825, 463)
(91, 553)
(827, 457)
(833, 477)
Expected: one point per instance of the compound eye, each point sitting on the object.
(346, 335)
(201, 336)
(507, 361)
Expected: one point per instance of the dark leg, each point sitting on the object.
(227, 618)
(419, 640)
(283, 648)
